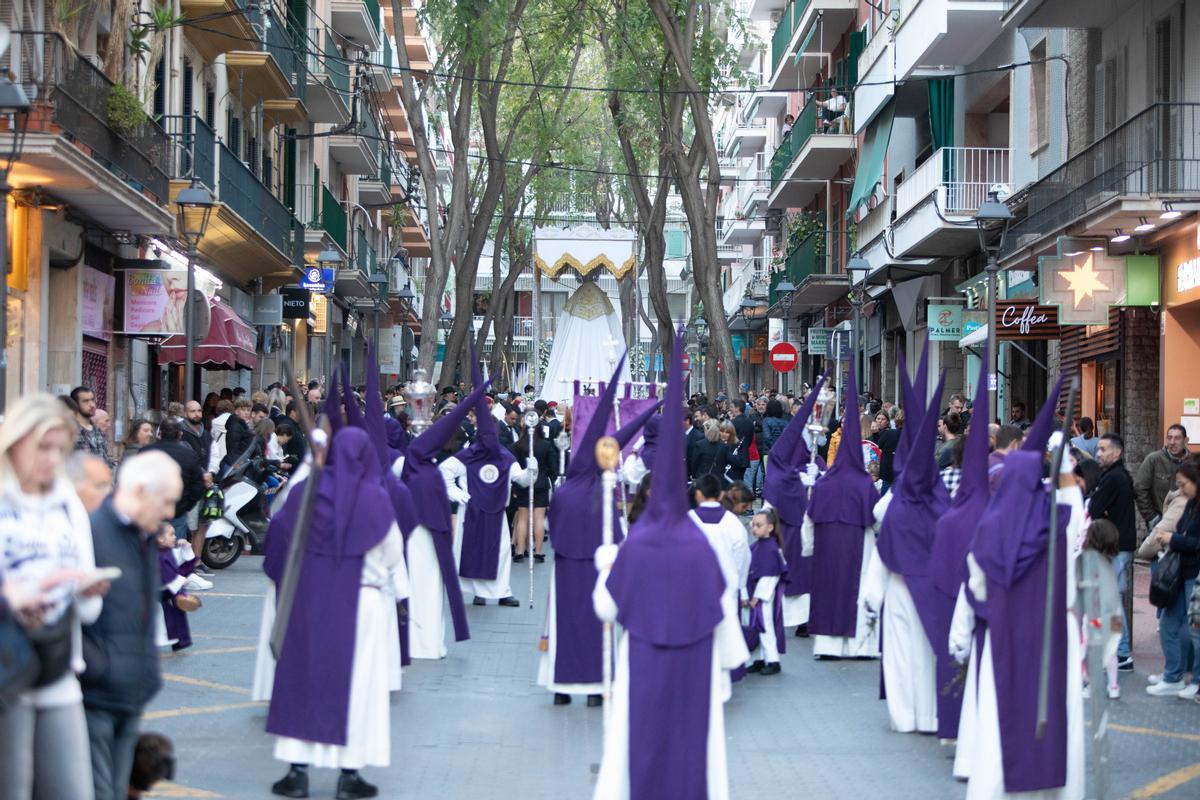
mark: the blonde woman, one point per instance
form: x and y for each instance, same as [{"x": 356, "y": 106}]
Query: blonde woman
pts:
[
  {"x": 709, "y": 456},
  {"x": 46, "y": 542},
  {"x": 737, "y": 460}
]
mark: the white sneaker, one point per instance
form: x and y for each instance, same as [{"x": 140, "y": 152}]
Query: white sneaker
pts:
[
  {"x": 1114, "y": 693},
  {"x": 1189, "y": 691},
  {"x": 1163, "y": 688},
  {"x": 1087, "y": 692},
  {"x": 198, "y": 584},
  {"x": 1155, "y": 678}
]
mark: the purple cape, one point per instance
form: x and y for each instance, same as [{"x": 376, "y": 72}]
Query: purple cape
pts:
[
  {"x": 176, "y": 621},
  {"x": 483, "y": 520},
  {"x": 766, "y": 561},
  {"x": 667, "y": 586},
  {"x": 351, "y": 515},
  {"x": 784, "y": 490},
  {"x": 1011, "y": 546},
  {"x": 650, "y": 443}
]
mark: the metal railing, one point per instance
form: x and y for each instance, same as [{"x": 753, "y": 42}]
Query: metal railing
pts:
[
  {"x": 193, "y": 148},
  {"x": 241, "y": 190},
  {"x": 277, "y": 41},
  {"x": 1155, "y": 152},
  {"x": 307, "y": 205},
  {"x": 333, "y": 217},
  {"x": 806, "y": 258},
  {"x": 807, "y": 125},
  {"x": 782, "y": 36},
  {"x": 53, "y": 74},
  {"x": 960, "y": 176},
  {"x": 364, "y": 255}
]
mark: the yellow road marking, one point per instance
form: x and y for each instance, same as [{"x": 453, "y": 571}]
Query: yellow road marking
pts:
[
  {"x": 1167, "y": 782},
  {"x": 1187, "y": 737},
  {"x": 224, "y": 687},
  {"x": 230, "y": 594},
  {"x": 212, "y": 651},
  {"x": 170, "y": 713},
  {"x": 168, "y": 789},
  {"x": 225, "y": 636}
]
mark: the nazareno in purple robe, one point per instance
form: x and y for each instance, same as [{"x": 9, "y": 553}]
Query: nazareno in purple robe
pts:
[
  {"x": 766, "y": 561},
  {"x": 784, "y": 490},
  {"x": 667, "y": 586},
  {"x": 351, "y": 515},
  {"x": 576, "y": 519},
  {"x": 841, "y": 508},
  {"x": 176, "y": 621},
  {"x": 1011, "y": 547}
]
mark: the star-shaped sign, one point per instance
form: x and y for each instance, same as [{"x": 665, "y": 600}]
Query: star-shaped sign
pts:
[{"x": 1082, "y": 283}]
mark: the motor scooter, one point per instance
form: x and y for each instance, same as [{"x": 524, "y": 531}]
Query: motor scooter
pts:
[{"x": 248, "y": 486}]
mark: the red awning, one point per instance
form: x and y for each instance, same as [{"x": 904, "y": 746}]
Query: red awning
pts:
[{"x": 230, "y": 344}]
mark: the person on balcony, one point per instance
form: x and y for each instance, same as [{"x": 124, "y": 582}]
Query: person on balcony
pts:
[{"x": 833, "y": 111}]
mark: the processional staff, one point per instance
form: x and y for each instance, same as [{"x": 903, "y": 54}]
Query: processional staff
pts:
[{"x": 608, "y": 456}]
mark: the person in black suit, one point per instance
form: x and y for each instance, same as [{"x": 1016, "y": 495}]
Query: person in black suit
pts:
[{"x": 694, "y": 429}]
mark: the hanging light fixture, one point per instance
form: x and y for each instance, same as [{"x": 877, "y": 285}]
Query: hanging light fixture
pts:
[
  {"x": 1119, "y": 237},
  {"x": 1170, "y": 212},
  {"x": 1144, "y": 226}
]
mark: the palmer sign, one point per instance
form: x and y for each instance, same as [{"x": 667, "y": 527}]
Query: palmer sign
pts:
[{"x": 1019, "y": 319}]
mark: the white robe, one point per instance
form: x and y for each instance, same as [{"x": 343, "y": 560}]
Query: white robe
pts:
[
  {"x": 962, "y": 632},
  {"x": 768, "y": 647},
  {"x": 865, "y": 642},
  {"x": 426, "y": 607},
  {"x": 909, "y": 664},
  {"x": 455, "y": 475},
  {"x": 368, "y": 728},
  {"x": 729, "y": 651},
  {"x": 985, "y": 762},
  {"x": 727, "y": 539}
]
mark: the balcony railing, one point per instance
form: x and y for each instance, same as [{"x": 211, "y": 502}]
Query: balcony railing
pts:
[
  {"x": 287, "y": 55},
  {"x": 239, "y": 189},
  {"x": 373, "y": 12},
  {"x": 961, "y": 176},
  {"x": 806, "y": 258},
  {"x": 804, "y": 127},
  {"x": 333, "y": 217},
  {"x": 193, "y": 149},
  {"x": 54, "y": 74},
  {"x": 1156, "y": 152},
  {"x": 364, "y": 255},
  {"x": 786, "y": 28},
  {"x": 875, "y": 222}
]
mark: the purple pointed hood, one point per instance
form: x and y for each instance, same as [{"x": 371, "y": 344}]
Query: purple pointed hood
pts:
[
  {"x": 846, "y": 494},
  {"x": 332, "y": 407},
  {"x": 912, "y": 393},
  {"x": 583, "y": 457},
  {"x": 376, "y": 428},
  {"x": 666, "y": 581},
  {"x": 487, "y": 438},
  {"x": 650, "y": 445},
  {"x": 1011, "y": 535},
  {"x": 354, "y": 415},
  {"x": 1038, "y": 434},
  {"x": 624, "y": 435},
  {"x": 956, "y": 528},
  {"x": 782, "y": 486}
]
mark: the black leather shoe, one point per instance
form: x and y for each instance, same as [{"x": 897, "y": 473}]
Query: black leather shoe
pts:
[
  {"x": 294, "y": 784},
  {"x": 510, "y": 602},
  {"x": 352, "y": 786},
  {"x": 519, "y": 558},
  {"x": 562, "y": 699},
  {"x": 479, "y": 601},
  {"x": 595, "y": 700},
  {"x": 757, "y": 666},
  {"x": 539, "y": 557},
  {"x": 772, "y": 669},
  {"x": 802, "y": 631}
]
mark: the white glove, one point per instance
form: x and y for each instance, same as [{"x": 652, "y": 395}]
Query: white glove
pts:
[
  {"x": 531, "y": 467},
  {"x": 958, "y": 652},
  {"x": 606, "y": 556},
  {"x": 812, "y": 470},
  {"x": 871, "y": 613}
]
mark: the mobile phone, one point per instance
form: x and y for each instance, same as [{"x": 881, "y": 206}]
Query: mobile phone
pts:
[{"x": 99, "y": 575}]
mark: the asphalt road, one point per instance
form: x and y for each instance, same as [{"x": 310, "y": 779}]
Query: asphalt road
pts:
[{"x": 475, "y": 725}]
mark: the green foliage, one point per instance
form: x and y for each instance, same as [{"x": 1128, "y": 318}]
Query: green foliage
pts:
[
  {"x": 124, "y": 110},
  {"x": 149, "y": 23},
  {"x": 803, "y": 225}
]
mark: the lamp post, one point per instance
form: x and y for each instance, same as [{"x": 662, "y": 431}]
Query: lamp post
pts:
[
  {"x": 193, "y": 208},
  {"x": 992, "y": 216},
  {"x": 406, "y": 297},
  {"x": 331, "y": 260},
  {"x": 12, "y": 103},
  {"x": 857, "y": 269}
]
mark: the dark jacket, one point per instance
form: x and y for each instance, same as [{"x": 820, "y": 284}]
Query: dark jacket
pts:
[
  {"x": 772, "y": 428},
  {"x": 887, "y": 440},
  {"x": 200, "y": 442},
  {"x": 294, "y": 450},
  {"x": 708, "y": 458},
  {"x": 745, "y": 430},
  {"x": 738, "y": 460},
  {"x": 238, "y": 438},
  {"x": 1155, "y": 479},
  {"x": 547, "y": 460},
  {"x": 1186, "y": 542},
  {"x": 1114, "y": 501},
  {"x": 119, "y": 647},
  {"x": 191, "y": 469}
]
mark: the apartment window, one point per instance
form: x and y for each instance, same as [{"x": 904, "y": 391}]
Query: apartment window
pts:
[
  {"x": 160, "y": 90},
  {"x": 188, "y": 77},
  {"x": 1162, "y": 46},
  {"x": 1039, "y": 128},
  {"x": 1110, "y": 83},
  {"x": 210, "y": 107}
]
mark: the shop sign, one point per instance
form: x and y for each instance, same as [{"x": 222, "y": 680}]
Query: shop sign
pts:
[
  {"x": 839, "y": 345},
  {"x": 945, "y": 322},
  {"x": 155, "y": 301},
  {"x": 1187, "y": 276},
  {"x": 1081, "y": 284},
  {"x": 268, "y": 309},
  {"x": 1022, "y": 319},
  {"x": 319, "y": 309},
  {"x": 317, "y": 279},
  {"x": 295, "y": 302},
  {"x": 818, "y": 341},
  {"x": 96, "y": 309},
  {"x": 973, "y": 320}
]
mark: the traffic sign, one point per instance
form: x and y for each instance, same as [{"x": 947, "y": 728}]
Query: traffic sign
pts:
[
  {"x": 317, "y": 279},
  {"x": 784, "y": 357},
  {"x": 687, "y": 361}
]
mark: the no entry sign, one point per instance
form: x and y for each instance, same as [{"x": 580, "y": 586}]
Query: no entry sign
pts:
[
  {"x": 687, "y": 361},
  {"x": 784, "y": 357}
]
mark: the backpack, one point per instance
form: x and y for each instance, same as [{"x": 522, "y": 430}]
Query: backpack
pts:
[{"x": 213, "y": 505}]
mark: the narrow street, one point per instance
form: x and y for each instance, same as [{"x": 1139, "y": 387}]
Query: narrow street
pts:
[{"x": 476, "y": 726}]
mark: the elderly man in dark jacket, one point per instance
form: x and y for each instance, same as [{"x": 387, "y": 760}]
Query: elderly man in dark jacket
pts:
[
  {"x": 119, "y": 648},
  {"x": 1114, "y": 501}
]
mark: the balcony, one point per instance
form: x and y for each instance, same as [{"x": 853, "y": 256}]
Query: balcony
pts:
[
  {"x": 941, "y": 195},
  {"x": 742, "y": 229},
  {"x": 728, "y": 252},
  {"x": 357, "y": 20},
  {"x": 273, "y": 72},
  {"x": 810, "y": 155},
  {"x": 1123, "y": 176},
  {"x": 808, "y": 30},
  {"x": 72, "y": 153},
  {"x": 936, "y": 32},
  {"x": 358, "y": 152},
  {"x": 761, "y": 9},
  {"x": 754, "y": 185},
  {"x": 875, "y": 245},
  {"x": 804, "y": 259},
  {"x": 766, "y": 103},
  {"x": 1063, "y": 13},
  {"x": 226, "y": 25},
  {"x": 749, "y": 136},
  {"x": 328, "y": 93},
  {"x": 376, "y": 190},
  {"x": 875, "y": 75},
  {"x": 323, "y": 218}
]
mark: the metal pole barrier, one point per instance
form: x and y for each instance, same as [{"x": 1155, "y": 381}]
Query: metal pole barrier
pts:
[{"x": 531, "y": 423}]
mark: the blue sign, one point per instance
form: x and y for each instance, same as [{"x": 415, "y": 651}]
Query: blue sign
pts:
[{"x": 317, "y": 279}]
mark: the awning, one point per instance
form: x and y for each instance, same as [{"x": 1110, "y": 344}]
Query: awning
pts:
[
  {"x": 975, "y": 337},
  {"x": 870, "y": 162},
  {"x": 230, "y": 344}
]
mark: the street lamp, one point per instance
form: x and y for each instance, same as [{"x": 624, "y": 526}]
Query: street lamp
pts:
[
  {"x": 406, "y": 296},
  {"x": 329, "y": 260},
  {"x": 857, "y": 270},
  {"x": 992, "y": 216},
  {"x": 193, "y": 208},
  {"x": 12, "y": 102}
]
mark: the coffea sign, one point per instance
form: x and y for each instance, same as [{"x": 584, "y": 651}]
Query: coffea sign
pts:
[{"x": 1017, "y": 319}]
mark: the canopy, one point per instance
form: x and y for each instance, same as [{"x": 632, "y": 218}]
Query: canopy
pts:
[
  {"x": 230, "y": 343},
  {"x": 585, "y": 249},
  {"x": 870, "y": 164}
]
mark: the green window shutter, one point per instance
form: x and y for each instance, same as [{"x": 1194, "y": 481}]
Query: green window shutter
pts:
[
  {"x": 676, "y": 244},
  {"x": 289, "y": 169},
  {"x": 858, "y": 40}
]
